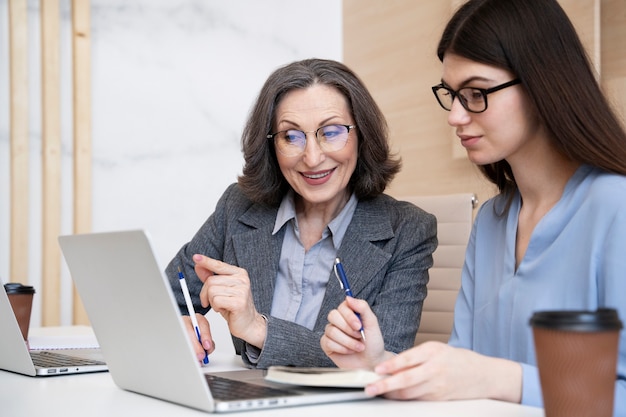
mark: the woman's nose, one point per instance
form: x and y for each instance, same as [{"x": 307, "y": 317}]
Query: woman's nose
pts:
[
  {"x": 313, "y": 153},
  {"x": 458, "y": 115}
]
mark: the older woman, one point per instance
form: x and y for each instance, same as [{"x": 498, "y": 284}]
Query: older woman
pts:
[{"x": 317, "y": 161}]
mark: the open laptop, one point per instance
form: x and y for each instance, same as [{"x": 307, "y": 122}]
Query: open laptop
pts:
[
  {"x": 141, "y": 333},
  {"x": 16, "y": 357}
]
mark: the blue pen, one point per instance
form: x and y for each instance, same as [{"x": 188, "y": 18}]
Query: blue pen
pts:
[
  {"x": 343, "y": 281},
  {"x": 190, "y": 309}
]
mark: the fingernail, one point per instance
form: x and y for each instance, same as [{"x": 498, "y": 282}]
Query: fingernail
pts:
[
  {"x": 206, "y": 344},
  {"x": 371, "y": 390},
  {"x": 197, "y": 257}
]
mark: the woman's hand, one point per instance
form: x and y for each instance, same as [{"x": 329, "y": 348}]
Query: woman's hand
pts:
[
  {"x": 227, "y": 290},
  {"x": 208, "y": 345},
  {"x": 342, "y": 340},
  {"x": 437, "y": 371}
]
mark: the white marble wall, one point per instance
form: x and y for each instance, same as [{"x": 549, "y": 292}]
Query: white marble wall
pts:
[{"x": 173, "y": 81}]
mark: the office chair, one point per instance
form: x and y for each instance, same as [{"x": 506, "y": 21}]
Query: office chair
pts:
[{"x": 454, "y": 214}]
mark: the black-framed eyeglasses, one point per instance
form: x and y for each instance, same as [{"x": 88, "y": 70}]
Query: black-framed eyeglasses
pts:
[
  {"x": 292, "y": 142},
  {"x": 472, "y": 99}
]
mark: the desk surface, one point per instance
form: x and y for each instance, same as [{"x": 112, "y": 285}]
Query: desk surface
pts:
[{"x": 97, "y": 395}]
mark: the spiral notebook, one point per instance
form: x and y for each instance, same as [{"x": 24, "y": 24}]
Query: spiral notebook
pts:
[
  {"x": 141, "y": 333},
  {"x": 15, "y": 355}
]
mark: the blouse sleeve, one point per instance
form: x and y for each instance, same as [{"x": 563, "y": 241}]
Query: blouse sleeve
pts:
[{"x": 612, "y": 294}]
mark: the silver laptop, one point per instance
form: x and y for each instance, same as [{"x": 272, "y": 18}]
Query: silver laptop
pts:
[
  {"x": 16, "y": 357},
  {"x": 141, "y": 333}
]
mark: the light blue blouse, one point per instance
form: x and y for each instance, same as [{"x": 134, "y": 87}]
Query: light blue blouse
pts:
[
  {"x": 303, "y": 275},
  {"x": 576, "y": 259}
]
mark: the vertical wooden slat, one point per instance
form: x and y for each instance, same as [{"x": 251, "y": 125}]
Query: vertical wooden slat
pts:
[
  {"x": 597, "y": 37},
  {"x": 613, "y": 16},
  {"x": 585, "y": 15},
  {"x": 18, "y": 69},
  {"x": 81, "y": 63},
  {"x": 51, "y": 160},
  {"x": 458, "y": 151}
]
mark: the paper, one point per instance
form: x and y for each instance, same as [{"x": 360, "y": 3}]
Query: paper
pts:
[{"x": 322, "y": 377}]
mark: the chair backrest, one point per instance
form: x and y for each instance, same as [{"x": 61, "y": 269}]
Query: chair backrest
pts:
[{"x": 454, "y": 214}]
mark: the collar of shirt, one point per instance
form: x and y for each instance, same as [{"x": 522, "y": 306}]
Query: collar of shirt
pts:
[{"x": 337, "y": 226}]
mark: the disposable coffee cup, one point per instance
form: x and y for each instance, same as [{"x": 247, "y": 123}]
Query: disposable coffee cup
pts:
[
  {"x": 21, "y": 299},
  {"x": 577, "y": 359}
]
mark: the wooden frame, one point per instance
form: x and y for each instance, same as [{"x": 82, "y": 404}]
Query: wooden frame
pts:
[{"x": 50, "y": 19}]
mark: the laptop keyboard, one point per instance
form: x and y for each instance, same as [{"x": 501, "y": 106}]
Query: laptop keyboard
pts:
[
  {"x": 47, "y": 359},
  {"x": 225, "y": 389}
]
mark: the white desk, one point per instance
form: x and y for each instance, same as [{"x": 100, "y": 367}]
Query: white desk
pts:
[{"x": 97, "y": 395}]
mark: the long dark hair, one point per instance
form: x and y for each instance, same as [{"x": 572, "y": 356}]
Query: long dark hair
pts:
[
  {"x": 535, "y": 40},
  {"x": 262, "y": 180}
]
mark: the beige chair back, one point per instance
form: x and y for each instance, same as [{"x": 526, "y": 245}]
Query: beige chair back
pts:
[{"x": 454, "y": 214}]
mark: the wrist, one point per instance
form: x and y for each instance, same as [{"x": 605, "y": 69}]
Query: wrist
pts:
[
  {"x": 260, "y": 331},
  {"x": 385, "y": 356},
  {"x": 506, "y": 381}
]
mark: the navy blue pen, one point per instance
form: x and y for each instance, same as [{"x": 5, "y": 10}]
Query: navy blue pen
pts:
[
  {"x": 343, "y": 281},
  {"x": 192, "y": 312}
]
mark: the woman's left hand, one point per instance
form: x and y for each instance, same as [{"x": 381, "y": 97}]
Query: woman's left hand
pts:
[
  {"x": 437, "y": 371},
  {"x": 227, "y": 290}
]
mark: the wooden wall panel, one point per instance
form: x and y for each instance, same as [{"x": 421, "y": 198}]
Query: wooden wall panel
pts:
[
  {"x": 20, "y": 258},
  {"x": 51, "y": 160},
  {"x": 613, "y": 41},
  {"x": 18, "y": 101},
  {"x": 81, "y": 64},
  {"x": 585, "y": 15},
  {"x": 391, "y": 45}
]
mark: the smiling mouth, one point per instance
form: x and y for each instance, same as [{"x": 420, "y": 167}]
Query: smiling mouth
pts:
[{"x": 318, "y": 175}]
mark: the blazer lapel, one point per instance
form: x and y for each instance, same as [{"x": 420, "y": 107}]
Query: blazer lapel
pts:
[
  {"x": 361, "y": 259},
  {"x": 258, "y": 251}
]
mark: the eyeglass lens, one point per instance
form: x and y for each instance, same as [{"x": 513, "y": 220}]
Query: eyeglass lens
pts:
[
  {"x": 330, "y": 138},
  {"x": 471, "y": 99}
]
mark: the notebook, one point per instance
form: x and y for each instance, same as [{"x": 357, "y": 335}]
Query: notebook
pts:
[
  {"x": 16, "y": 357},
  {"x": 141, "y": 333}
]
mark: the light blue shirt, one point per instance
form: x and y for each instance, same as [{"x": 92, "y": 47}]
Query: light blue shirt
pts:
[
  {"x": 303, "y": 275},
  {"x": 576, "y": 259}
]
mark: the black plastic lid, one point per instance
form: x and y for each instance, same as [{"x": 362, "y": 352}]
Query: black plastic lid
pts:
[
  {"x": 17, "y": 288},
  {"x": 582, "y": 321}
]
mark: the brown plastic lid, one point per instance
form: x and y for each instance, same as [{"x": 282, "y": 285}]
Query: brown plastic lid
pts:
[
  {"x": 575, "y": 320},
  {"x": 17, "y": 288}
]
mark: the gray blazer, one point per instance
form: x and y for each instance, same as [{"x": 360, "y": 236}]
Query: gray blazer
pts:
[{"x": 386, "y": 252}]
